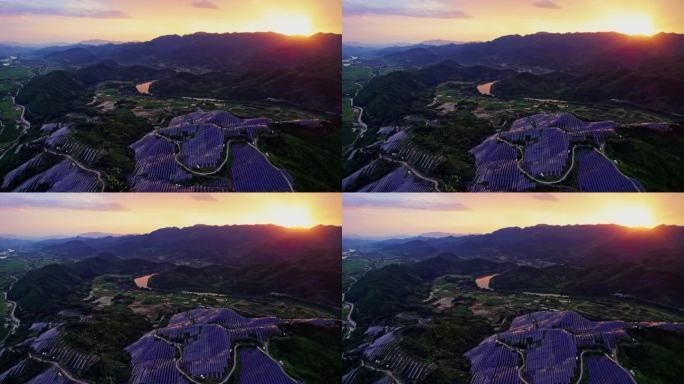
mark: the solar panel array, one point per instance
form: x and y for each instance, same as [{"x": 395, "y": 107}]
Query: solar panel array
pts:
[
  {"x": 497, "y": 170},
  {"x": 550, "y": 342},
  {"x": 598, "y": 174},
  {"x": 401, "y": 147},
  {"x": 152, "y": 361},
  {"x": 63, "y": 141},
  {"x": 62, "y": 177},
  {"x": 252, "y": 172},
  {"x": 602, "y": 370},
  {"x": 50, "y": 376},
  {"x": 35, "y": 162},
  {"x": 258, "y": 368},
  {"x": 51, "y": 345},
  {"x": 386, "y": 353},
  {"x": 203, "y": 138},
  {"x": 546, "y": 141},
  {"x": 401, "y": 179},
  {"x": 205, "y": 337}
]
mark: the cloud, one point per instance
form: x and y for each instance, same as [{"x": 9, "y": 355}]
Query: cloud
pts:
[
  {"x": 545, "y": 197},
  {"x": 204, "y": 4},
  {"x": 42, "y": 8},
  {"x": 427, "y": 202},
  {"x": 548, "y": 4},
  {"x": 78, "y": 202},
  {"x": 432, "y": 9},
  {"x": 203, "y": 197}
]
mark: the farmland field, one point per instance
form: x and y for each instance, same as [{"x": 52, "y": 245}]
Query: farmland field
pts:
[
  {"x": 428, "y": 322},
  {"x": 449, "y": 119}
]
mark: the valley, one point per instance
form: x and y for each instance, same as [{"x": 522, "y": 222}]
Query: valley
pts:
[
  {"x": 431, "y": 119},
  {"x": 452, "y": 316},
  {"x": 90, "y": 122},
  {"x": 75, "y": 314}
]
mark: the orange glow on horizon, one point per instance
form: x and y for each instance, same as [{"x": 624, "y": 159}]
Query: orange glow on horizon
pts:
[
  {"x": 293, "y": 24},
  {"x": 468, "y": 213},
  {"x": 134, "y": 213},
  {"x": 133, "y": 20},
  {"x": 637, "y": 24}
]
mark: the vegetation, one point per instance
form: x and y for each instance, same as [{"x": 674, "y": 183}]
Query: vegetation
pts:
[
  {"x": 453, "y": 139},
  {"x": 445, "y": 340},
  {"x": 315, "y": 284},
  {"x": 642, "y": 87},
  {"x": 655, "y": 281},
  {"x": 649, "y": 156},
  {"x": 53, "y": 95},
  {"x": 312, "y": 156},
  {"x": 43, "y": 292},
  {"x": 316, "y": 87},
  {"x": 113, "y": 133},
  {"x": 655, "y": 357},
  {"x": 309, "y": 353},
  {"x": 106, "y": 336}
]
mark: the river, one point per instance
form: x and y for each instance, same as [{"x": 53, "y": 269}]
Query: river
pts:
[
  {"x": 486, "y": 88},
  {"x": 144, "y": 88},
  {"x": 142, "y": 281},
  {"x": 483, "y": 282}
]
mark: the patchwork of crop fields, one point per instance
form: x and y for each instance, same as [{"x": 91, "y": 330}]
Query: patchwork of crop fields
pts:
[
  {"x": 443, "y": 141},
  {"x": 555, "y": 336}
]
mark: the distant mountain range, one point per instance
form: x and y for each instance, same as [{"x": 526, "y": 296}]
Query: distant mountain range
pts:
[
  {"x": 579, "y": 245},
  {"x": 235, "y": 52},
  {"x": 581, "y": 260},
  {"x": 203, "y": 245},
  {"x": 581, "y": 51},
  {"x": 234, "y": 259},
  {"x": 584, "y": 67}
]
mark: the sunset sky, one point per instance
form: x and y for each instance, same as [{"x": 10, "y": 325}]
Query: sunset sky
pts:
[
  {"x": 76, "y": 213},
  {"x": 412, "y": 214},
  {"x": 41, "y": 21},
  {"x": 412, "y": 21}
]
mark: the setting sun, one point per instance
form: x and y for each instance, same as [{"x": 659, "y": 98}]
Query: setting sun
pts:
[
  {"x": 291, "y": 24},
  {"x": 632, "y": 216},
  {"x": 293, "y": 217},
  {"x": 634, "y": 24}
]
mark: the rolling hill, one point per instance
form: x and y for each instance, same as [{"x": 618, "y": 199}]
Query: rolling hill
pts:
[
  {"x": 580, "y": 245},
  {"x": 44, "y": 291},
  {"x": 203, "y": 245},
  {"x": 580, "y": 52},
  {"x": 659, "y": 281},
  {"x": 390, "y": 97},
  {"x": 235, "y": 52}
]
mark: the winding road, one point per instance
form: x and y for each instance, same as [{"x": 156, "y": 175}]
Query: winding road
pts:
[
  {"x": 522, "y": 158},
  {"x": 223, "y": 163},
  {"x": 97, "y": 173},
  {"x": 14, "y": 320},
  {"x": 265, "y": 352},
  {"x": 386, "y": 372},
  {"x": 415, "y": 173},
  {"x": 61, "y": 370},
  {"x": 522, "y": 355},
  {"x": 25, "y": 123},
  {"x": 351, "y": 324}
]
